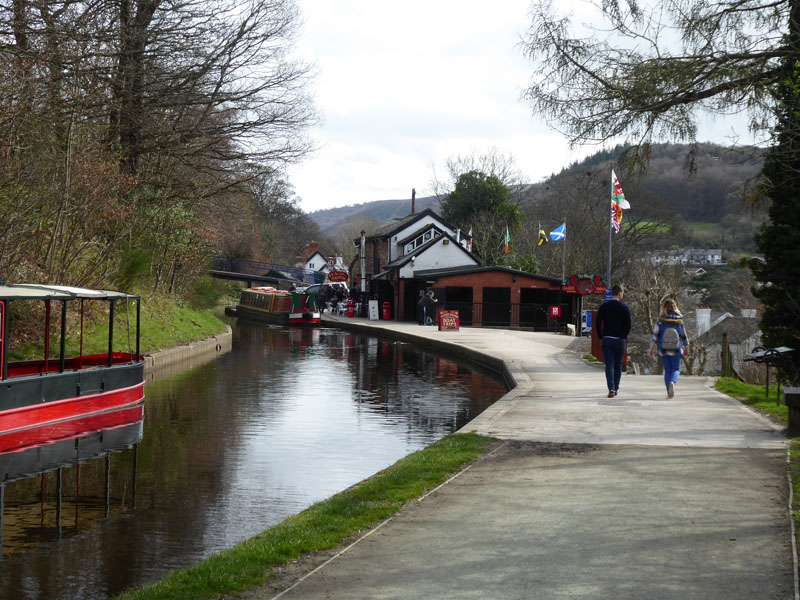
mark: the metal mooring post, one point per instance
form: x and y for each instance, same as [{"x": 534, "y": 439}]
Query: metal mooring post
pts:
[{"x": 792, "y": 400}]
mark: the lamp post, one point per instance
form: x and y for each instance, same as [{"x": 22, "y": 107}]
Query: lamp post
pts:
[{"x": 362, "y": 260}]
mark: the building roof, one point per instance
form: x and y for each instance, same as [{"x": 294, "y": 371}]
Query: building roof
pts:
[
  {"x": 25, "y": 291},
  {"x": 386, "y": 230},
  {"x": 739, "y": 330},
  {"x": 470, "y": 269}
]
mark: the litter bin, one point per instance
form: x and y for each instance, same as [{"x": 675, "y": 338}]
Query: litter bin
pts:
[{"x": 387, "y": 311}]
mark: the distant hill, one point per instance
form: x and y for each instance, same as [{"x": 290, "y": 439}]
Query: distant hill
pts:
[
  {"x": 379, "y": 210},
  {"x": 702, "y": 183},
  {"x": 705, "y": 194}
]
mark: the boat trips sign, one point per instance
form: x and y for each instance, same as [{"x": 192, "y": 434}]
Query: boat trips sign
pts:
[{"x": 337, "y": 276}]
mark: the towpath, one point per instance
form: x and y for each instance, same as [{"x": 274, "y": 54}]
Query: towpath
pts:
[{"x": 586, "y": 497}]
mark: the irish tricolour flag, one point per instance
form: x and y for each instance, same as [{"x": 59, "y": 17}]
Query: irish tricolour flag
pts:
[{"x": 618, "y": 202}]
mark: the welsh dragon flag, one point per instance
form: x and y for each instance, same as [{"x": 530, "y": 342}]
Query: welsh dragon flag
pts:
[{"x": 618, "y": 202}]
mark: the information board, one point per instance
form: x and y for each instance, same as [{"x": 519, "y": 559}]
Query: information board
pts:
[{"x": 373, "y": 310}]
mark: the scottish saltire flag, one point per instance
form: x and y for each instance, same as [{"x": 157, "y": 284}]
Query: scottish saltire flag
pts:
[
  {"x": 508, "y": 239},
  {"x": 559, "y": 233},
  {"x": 618, "y": 202}
]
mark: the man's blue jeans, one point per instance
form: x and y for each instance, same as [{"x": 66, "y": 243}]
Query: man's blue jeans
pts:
[{"x": 613, "y": 351}]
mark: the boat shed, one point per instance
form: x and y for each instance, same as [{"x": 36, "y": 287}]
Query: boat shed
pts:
[{"x": 493, "y": 297}]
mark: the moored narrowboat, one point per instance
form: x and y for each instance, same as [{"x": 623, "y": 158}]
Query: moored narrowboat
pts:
[
  {"x": 278, "y": 307},
  {"x": 58, "y": 392}
]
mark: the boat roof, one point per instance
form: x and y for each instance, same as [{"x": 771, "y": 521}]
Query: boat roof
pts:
[{"x": 33, "y": 291}]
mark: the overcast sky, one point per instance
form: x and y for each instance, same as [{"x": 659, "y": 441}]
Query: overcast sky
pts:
[{"x": 402, "y": 87}]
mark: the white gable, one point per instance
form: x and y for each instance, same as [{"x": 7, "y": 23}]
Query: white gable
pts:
[
  {"x": 424, "y": 226},
  {"x": 440, "y": 255},
  {"x": 316, "y": 261}
]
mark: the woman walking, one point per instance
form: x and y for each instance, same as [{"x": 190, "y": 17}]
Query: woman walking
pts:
[{"x": 670, "y": 337}]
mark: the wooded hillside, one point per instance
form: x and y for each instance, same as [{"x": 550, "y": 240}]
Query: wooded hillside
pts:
[{"x": 697, "y": 191}]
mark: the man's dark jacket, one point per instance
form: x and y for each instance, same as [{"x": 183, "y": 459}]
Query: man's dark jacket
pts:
[{"x": 613, "y": 320}]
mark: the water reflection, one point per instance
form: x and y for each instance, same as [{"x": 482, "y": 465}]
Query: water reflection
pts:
[{"x": 288, "y": 418}]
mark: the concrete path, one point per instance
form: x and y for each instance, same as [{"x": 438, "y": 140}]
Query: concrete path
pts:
[{"x": 586, "y": 497}]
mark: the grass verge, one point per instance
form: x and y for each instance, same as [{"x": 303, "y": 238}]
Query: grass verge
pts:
[
  {"x": 754, "y": 396},
  {"x": 322, "y": 526}
]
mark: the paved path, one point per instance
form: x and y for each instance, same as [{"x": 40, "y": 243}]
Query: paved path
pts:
[{"x": 586, "y": 497}]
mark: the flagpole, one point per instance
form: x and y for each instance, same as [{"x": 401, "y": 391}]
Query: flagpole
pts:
[
  {"x": 564, "y": 254},
  {"x": 608, "y": 216}
]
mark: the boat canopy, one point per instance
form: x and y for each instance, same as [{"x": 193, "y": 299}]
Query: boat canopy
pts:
[{"x": 24, "y": 291}]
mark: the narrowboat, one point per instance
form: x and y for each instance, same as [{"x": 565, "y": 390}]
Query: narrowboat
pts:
[
  {"x": 279, "y": 307},
  {"x": 59, "y": 395}
]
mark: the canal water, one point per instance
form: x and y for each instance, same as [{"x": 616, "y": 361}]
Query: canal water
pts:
[{"x": 226, "y": 450}]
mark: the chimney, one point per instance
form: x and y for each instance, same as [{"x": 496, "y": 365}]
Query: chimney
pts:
[
  {"x": 703, "y": 316},
  {"x": 413, "y": 200},
  {"x": 311, "y": 247}
]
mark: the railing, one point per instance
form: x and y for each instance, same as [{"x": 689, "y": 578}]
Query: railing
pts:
[
  {"x": 503, "y": 314},
  {"x": 272, "y": 270}
]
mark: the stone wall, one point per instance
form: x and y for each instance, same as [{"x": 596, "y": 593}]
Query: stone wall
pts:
[{"x": 174, "y": 360}]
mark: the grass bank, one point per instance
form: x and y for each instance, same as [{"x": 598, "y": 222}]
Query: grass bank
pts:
[
  {"x": 320, "y": 527},
  {"x": 165, "y": 323},
  {"x": 755, "y": 397}
]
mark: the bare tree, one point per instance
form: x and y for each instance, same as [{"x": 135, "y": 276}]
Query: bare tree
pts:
[
  {"x": 344, "y": 235},
  {"x": 140, "y": 123},
  {"x": 493, "y": 163},
  {"x": 646, "y": 73},
  {"x": 581, "y": 199}
]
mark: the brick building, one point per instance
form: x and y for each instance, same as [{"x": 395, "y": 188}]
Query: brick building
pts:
[{"x": 405, "y": 257}]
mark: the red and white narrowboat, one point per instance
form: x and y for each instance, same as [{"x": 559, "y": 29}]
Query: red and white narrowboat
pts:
[{"x": 59, "y": 393}]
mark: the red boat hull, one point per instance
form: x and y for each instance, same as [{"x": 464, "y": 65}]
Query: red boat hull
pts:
[{"x": 28, "y": 425}]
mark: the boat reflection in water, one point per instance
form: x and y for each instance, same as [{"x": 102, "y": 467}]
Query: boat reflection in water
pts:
[{"x": 55, "y": 486}]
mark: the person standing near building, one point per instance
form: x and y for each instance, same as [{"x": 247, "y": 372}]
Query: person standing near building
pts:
[
  {"x": 613, "y": 324},
  {"x": 669, "y": 335},
  {"x": 426, "y": 306}
]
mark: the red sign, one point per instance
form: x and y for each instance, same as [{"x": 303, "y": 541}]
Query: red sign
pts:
[
  {"x": 555, "y": 311},
  {"x": 337, "y": 276},
  {"x": 448, "y": 320},
  {"x": 584, "y": 284}
]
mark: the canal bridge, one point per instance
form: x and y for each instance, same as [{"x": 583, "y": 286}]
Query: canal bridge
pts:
[{"x": 256, "y": 273}]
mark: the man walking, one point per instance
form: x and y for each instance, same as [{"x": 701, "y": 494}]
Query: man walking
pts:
[{"x": 613, "y": 324}]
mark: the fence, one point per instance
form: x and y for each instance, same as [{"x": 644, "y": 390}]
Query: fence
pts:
[{"x": 504, "y": 314}]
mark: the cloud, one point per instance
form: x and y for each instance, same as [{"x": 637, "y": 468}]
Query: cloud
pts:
[{"x": 402, "y": 87}]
